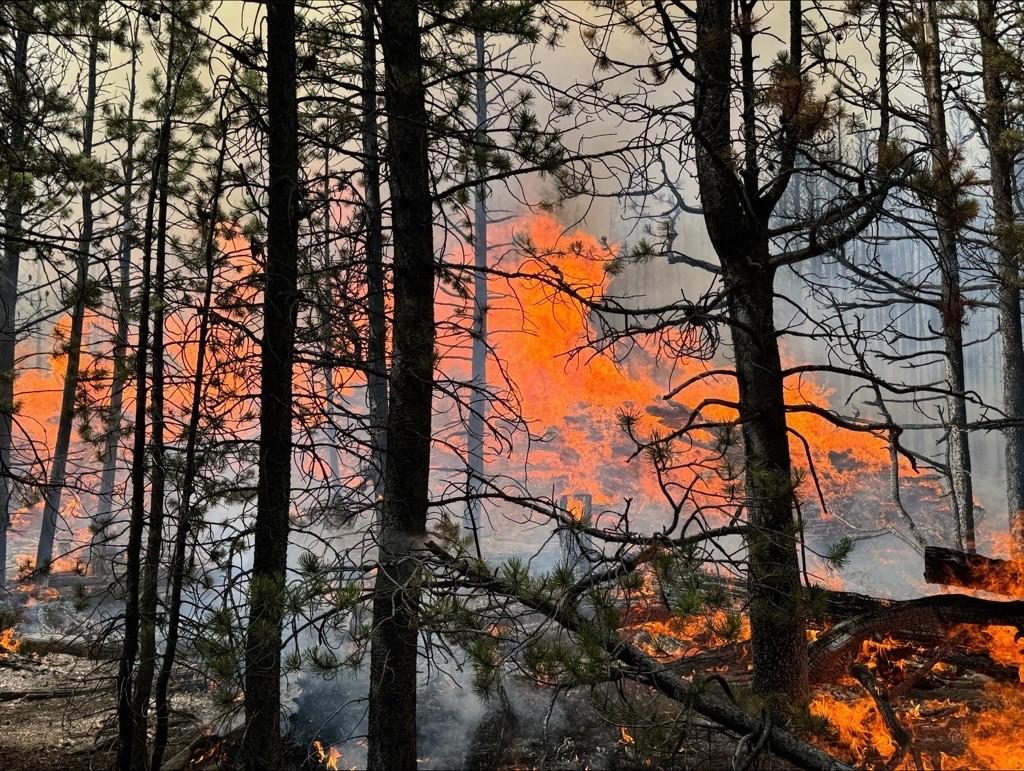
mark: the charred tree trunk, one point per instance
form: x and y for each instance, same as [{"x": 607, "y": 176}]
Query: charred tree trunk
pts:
[
  {"x": 177, "y": 566},
  {"x": 149, "y": 588},
  {"x": 131, "y": 722},
  {"x": 478, "y": 376},
  {"x": 738, "y": 226},
  {"x": 1001, "y": 170},
  {"x": 779, "y": 641},
  {"x": 951, "y": 303},
  {"x": 377, "y": 367},
  {"x": 393, "y": 654},
  {"x": 262, "y": 744},
  {"x": 101, "y": 552},
  {"x": 58, "y": 463},
  {"x": 13, "y": 243}
]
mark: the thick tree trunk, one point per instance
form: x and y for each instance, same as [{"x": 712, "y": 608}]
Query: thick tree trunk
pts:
[
  {"x": 738, "y": 230},
  {"x": 393, "y": 655},
  {"x": 478, "y": 376},
  {"x": 13, "y": 244},
  {"x": 262, "y": 743},
  {"x": 779, "y": 643},
  {"x": 376, "y": 377},
  {"x": 58, "y": 463},
  {"x": 101, "y": 556},
  {"x": 951, "y": 307},
  {"x": 1012, "y": 348}
]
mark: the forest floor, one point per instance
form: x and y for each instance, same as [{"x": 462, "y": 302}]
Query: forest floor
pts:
[{"x": 57, "y": 712}]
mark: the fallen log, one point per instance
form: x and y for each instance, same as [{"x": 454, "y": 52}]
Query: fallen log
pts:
[
  {"x": 831, "y": 655},
  {"x": 80, "y": 648},
  {"x": 40, "y": 694},
  {"x": 950, "y": 567}
]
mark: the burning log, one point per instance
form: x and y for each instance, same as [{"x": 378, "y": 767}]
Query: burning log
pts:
[
  {"x": 832, "y": 653},
  {"x": 903, "y": 738},
  {"x": 950, "y": 567}
]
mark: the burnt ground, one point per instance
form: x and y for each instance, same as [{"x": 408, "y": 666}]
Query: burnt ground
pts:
[{"x": 65, "y": 718}]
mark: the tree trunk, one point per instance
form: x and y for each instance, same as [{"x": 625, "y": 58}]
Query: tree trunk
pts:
[
  {"x": 58, "y": 464},
  {"x": 149, "y": 588},
  {"x": 13, "y": 245},
  {"x": 261, "y": 747},
  {"x": 132, "y": 723},
  {"x": 738, "y": 230},
  {"x": 393, "y": 654},
  {"x": 478, "y": 376},
  {"x": 377, "y": 367},
  {"x": 101, "y": 551},
  {"x": 951, "y": 305},
  {"x": 1012, "y": 349},
  {"x": 177, "y": 566},
  {"x": 779, "y": 644}
]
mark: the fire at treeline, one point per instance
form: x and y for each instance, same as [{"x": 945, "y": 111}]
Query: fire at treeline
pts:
[{"x": 502, "y": 384}]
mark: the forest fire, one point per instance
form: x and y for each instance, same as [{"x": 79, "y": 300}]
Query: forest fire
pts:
[
  {"x": 328, "y": 756},
  {"x": 9, "y": 642}
]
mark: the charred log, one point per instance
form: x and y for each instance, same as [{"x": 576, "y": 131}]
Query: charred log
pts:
[
  {"x": 832, "y": 653},
  {"x": 951, "y": 567}
]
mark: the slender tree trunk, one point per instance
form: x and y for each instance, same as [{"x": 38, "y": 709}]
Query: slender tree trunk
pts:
[
  {"x": 393, "y": 651},
  {"x": 330, "y": 392},
  {"x": 102, "y": 553},
  {"x": 376, "y": 378},
  {"x": 478, "y": 376},
  {"x": 177, "y": 566},
  {"x": 149, "y": 588},
  {"x": 262, "y": 745},
  {"x": 13, "y": 245},
  {"x": 951, "y": 307},
  {"x": 1012, "y": 348},
  {"x": 131, "y": 723},
  {"x": 58, "y": 464}
]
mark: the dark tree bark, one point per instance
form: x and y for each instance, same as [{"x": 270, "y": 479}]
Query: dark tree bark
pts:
[
  {"x": 58, "y": 464},
  {"x": 262, "y": 743},
  {"x": 951, "y": 305},
  {"x": 101, "y": 556},
  {"x": 131, "y": 723},
  {"x": 13, "y": 243},
  {"x": 478, "y": 376},
  {"x": 1008, "y": 292},
  {"x": 392, "y": 715},
  {"x": 184, "y": 528},
  {"x": 376, "y": 378},
  {"x": 739, "y": 232}
]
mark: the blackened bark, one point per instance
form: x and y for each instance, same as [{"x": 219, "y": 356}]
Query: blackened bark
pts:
[
  {"x": 149, "y": 586},
  {"x": 393, "y": 656},
  {"x": 13, "y": 242},
  {"x": 738, "y": 227},
  {"x": 1008, "y": 292},
  {"x": 376, "y": 378},
  {"x": 478, "y": 375},
  {"x": 177, "y": 566},
  {"x": 262, "y": 743},
  {"x": 131, "y": 724},
  {"x": 101, "y": 555},
  {"x": 951, "y": 304},
  {"x": 62, "y": 445}
]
